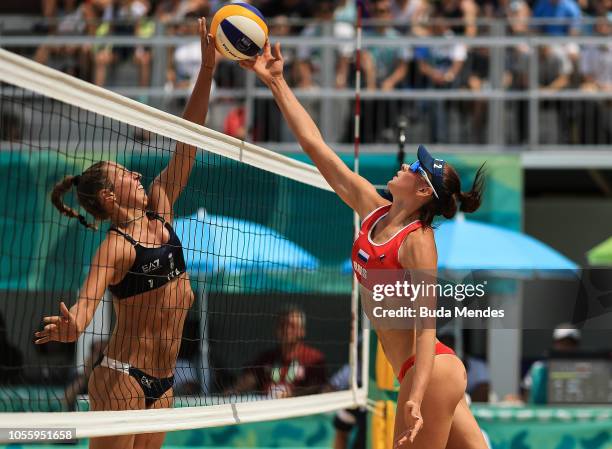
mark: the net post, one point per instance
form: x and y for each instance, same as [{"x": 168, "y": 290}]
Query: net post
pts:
[{"x": 353, "y": 356}]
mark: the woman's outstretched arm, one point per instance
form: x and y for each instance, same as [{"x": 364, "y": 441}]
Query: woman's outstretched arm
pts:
[
  {"x": 168, "y": 185},
  {"x": 70, "y": 323},
  {"x": 354, "y": 190}
]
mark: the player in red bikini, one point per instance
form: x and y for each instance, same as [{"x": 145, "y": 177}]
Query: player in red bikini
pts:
[{"x": 432, "y": 412}]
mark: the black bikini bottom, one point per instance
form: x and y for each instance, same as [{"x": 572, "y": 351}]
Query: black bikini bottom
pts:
[{"x": 152, "y": 387}]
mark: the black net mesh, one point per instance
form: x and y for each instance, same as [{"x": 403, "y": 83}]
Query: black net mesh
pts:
[{"x": 262, "y": 311}]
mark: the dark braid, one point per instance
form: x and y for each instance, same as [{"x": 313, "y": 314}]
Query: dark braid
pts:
[{"x": 88, "y": 185}]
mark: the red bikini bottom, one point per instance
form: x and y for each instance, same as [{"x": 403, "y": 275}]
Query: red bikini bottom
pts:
[{"x": 440, "y": 349}]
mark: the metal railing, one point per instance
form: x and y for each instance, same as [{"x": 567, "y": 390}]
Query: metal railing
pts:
[{"x": 492, "y": 117}]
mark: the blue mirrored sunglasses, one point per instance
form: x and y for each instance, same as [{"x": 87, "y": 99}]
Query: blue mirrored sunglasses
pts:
[{"x": 416, "y": 167}]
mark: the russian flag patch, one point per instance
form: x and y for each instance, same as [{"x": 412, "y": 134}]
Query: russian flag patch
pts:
[{"x": 363, "y": 255}]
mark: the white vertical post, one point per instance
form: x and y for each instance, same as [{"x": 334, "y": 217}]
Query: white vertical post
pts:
[
  {"x": 249, "y": 102},
  {"x": 504, "y": 346},
  {"x": 205, "y": 375}
]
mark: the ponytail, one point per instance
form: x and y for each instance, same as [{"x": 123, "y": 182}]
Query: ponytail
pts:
[
  {"x": 60, "y": 189},
  {"x": 453, "y": 199},
  {"x": 470, "y": 201}
]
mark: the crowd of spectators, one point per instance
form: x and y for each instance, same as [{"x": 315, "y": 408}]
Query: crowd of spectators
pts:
[{"x": 450, "y": 66}]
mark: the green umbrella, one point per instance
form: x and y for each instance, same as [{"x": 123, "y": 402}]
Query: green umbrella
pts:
[{"x": 601, "y": 255}]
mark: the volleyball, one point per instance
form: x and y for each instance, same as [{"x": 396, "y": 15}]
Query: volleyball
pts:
[{"x": 240, "y": 31}]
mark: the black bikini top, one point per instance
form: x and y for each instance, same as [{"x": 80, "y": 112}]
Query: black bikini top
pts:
[{"x": 153, "y": 267}]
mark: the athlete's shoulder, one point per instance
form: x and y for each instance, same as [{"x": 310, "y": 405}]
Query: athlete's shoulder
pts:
[
  {"x": 113, "y": 242},
  {"x": 422, "y": 233},
  {"x": 118, "y": 251},
  {"x": 374, "y": 214},
  {"x": 418, "y": 250}
]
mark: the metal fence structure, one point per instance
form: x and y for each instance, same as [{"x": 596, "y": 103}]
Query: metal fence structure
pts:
[{"x": 494, "y": 115}]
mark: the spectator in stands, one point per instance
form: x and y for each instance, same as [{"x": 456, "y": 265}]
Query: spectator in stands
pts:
[
  {"x": 79, "y": 383},
  {"x": 171, "y": 12},
  {"x": 555, "y": 70},
  {"x": 309, "y": 58},
  {"x": 490, "y": 9},
  {"x": 477, "y": 64},
  {"x": 280, "y": 26},
  {"x": 519, "y": 14},
  {"x": 11, "y": 362},
  {"x": 292, "y": 368},
  {"x": 596, "y": 60},
  {"x": 570, "y": 15},
  {"x": 183, "y": 61},
  {"x": 555, "y": 67},
  {"x": 300, "y": 9},
  {"x": 73, "y": 59},
  {"x": 596, "y": 75},
  {"x": 294, "y": 10},
  {"x": 384, "y": 67},
  {"x": 268, "y": 124},
  {"x": 567, "y": 10},
  {"x": 603, "y": 8},
  {"x": 516, "y": 69},
  {"x": 346, "y": 11},
  {"x": 558, "y": 9},
  {"x": 411, "y": 12},
  {"x": 50, "y": 7},
  {"x": 187, "y": 57},
  {"x": 516, "y": 75},
  {"x": 465, "y": 11},
  {"x": 440, "y": 67},
  {"x": 128, "y": 18},
  {"x": 566, "y": 339}
]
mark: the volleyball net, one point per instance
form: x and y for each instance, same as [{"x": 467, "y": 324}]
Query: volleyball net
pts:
[{"x": 271, "y": 331}]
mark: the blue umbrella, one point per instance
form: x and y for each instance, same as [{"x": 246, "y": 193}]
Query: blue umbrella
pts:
[
  {"x": 465, "y": 245},
  {"x": 216, "y": 243}
]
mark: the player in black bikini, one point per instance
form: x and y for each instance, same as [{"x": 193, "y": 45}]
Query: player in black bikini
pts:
[{"x": 141, "y": 262}]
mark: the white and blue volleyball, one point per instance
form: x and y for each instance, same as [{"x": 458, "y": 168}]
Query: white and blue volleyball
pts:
[{"x": 240, "y": 31}]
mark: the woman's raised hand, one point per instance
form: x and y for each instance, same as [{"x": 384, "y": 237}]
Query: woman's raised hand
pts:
[
  {"x": 207, "y": 43},
  {"x": 268, "y": 66}
]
